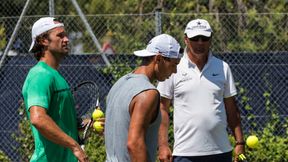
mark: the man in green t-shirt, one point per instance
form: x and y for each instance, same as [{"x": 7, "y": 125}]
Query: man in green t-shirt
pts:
[{"x": 48, "y": 100}]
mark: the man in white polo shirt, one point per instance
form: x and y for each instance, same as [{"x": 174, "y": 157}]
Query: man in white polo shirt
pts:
[{"x": 203, "y": 93}]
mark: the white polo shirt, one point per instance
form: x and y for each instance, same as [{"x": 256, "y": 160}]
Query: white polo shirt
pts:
[{"x": 200, "y": 120}]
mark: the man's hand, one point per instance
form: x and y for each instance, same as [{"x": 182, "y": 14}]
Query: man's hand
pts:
[
  {"x": 50, "y": 130},
  {"x": 80, "y": 154},
  {"x": 165, "y": 154},
  {"x": 239, "y": 149}
]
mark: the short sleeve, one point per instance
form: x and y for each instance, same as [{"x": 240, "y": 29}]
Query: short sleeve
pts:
[
  {"x": 39, "y": 91},
  {"x": 166, "y": 87},
  {"x": 230, "y": 89}
]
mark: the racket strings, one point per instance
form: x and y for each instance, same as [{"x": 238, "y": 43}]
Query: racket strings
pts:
[{"x": 86, "y": 98}]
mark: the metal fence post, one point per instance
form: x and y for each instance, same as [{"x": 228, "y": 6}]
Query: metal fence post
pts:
[
  {"x": 14, "y": 34},
  {"x": 51, "y": 8},
  {"x": 89, "y": 29},
  {"x": 158, "y": 22}
]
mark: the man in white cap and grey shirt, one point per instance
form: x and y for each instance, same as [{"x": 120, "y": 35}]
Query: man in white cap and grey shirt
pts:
[
  {"x": 204, "y": 105},
  {"x": 48, "y": 100},
  {"x": 132, "y": 112}
]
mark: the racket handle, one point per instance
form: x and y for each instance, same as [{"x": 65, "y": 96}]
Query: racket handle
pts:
[
  {"x": 86, "y": 128},
  {"x": 82, "y": 140},
  {"x": 242, "y": 158}
]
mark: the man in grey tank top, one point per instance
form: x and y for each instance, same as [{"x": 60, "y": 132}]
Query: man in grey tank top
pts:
[{"x": 132, "y": 115}]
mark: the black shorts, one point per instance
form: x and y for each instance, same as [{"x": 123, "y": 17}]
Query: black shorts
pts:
[{"x": 225, "y": 157}]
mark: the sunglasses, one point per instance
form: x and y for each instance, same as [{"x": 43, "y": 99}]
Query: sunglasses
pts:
[{"x": 197, "y": 38}]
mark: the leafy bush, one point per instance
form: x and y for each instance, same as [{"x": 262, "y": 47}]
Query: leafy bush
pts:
[
  {"x": 4, "y": 157},
  {"x": 273, "y": 145},
  {"x": 24, "y": 137},
  {"x": 2, "y": 37},
  {"x": 118, "y": 69},
  {"x": 95, "y": 148}
]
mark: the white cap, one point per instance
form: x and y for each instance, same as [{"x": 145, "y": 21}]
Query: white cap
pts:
[
  {"x": 42, "y": 25},
  {"x": 163, "y": 44},
  {"x": 198, "y": 27}
]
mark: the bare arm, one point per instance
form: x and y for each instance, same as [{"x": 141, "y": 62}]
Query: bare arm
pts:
[
  {"x": 143, "y": 111},
  {"x": 50, "y": 130},
  {"x": 234, "y": 122},
  {"x": 164, "y": 150}
]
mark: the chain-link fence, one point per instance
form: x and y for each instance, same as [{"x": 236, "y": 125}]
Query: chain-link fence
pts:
[
  {"x": 261, "y": 82},
  {"x": 255, "y": 45},
  {"x": 126, "y": 33}
]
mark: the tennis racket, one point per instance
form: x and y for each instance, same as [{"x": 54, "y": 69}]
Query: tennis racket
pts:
[{"x": 86, "y": 97}]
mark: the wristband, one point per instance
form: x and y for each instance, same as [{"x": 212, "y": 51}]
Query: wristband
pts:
[{"x": 240, "y": 142}]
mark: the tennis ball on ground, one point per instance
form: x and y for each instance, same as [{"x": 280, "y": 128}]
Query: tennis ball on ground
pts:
[
  {"x": 97, "y": 113},
  {"x": 98, "y": 127},
  {"x": 252, "y": 141}
]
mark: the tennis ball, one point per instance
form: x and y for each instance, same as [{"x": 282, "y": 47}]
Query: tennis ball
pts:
[
  {"x": 97, "y": 113},
  {"x": 252, "y": 141},
  {"x": 98, "y": 127}
]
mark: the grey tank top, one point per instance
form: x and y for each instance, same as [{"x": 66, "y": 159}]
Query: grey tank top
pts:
[{"x": 118, "y": 119}]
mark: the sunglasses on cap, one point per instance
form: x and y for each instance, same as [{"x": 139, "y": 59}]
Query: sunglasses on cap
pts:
[{"x": 197, "y": 38}]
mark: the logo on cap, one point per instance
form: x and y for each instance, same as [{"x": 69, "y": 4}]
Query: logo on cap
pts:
[{"x": 198, "y": 27}]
